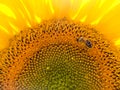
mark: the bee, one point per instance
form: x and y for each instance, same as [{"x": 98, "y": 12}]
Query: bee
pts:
[{"x": 86, "y": 41}]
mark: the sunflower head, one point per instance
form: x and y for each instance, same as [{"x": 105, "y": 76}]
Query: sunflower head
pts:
[{"x": 63, "y": 47}]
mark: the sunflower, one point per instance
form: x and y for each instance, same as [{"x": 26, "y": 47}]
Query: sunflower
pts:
[{"x": 59, "y": 45}]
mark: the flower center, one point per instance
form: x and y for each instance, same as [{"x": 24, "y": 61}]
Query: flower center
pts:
[
  {"x": 59, "y": 66},
  {"x": 60, "y": 54}
]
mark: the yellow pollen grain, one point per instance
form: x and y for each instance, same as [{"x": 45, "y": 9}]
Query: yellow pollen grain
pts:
[
  {"x": 7, "y": 11},
  {"x": 72, "y": 58},
  {"x": 48, "y": 68}
]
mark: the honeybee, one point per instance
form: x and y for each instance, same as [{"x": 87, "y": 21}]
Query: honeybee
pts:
[{"x": 86, "y": 41}]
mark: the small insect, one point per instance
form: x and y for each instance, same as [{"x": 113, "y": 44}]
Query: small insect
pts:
[{"x": 86, "y": 41}]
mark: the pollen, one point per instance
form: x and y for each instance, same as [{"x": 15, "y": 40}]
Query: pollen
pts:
[{"x": 49, "y": 56}]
